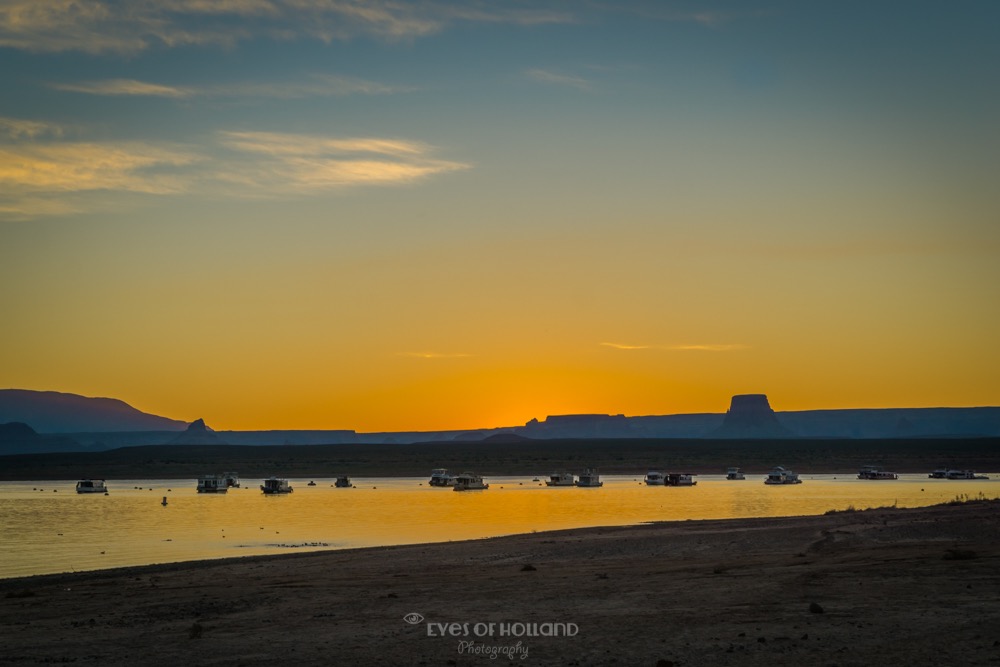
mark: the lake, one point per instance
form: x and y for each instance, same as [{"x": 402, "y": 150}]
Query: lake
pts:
[{"x": 48, "y": 527}]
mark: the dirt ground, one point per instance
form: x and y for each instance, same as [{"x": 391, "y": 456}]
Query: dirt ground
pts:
[{"x": 879, "y": 587}]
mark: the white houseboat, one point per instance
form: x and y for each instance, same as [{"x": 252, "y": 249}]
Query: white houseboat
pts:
[
  {"x": 940, "y": 473},
  {"x": 232, "y": 479},
  {"x": 734, "y": 473},
  {"x": 874, "y": 472},
  {"x": 560, "y": 479},
  {"x": 440, "y": 477},
  {"x": 468, "y": 481},
  {"x": 91, "y": 486},
  {"x": 780, "y": 475},
  {"x": 590, "y": 478},
  {"x": 654, "y": 478},
  {"x": 343, "y": 482},
  {"x": 680, "y": 479},
  {"x": 212, "y": 484},
  {"x": 275, "y": 485},
  {"x": 965, "y": 474}
]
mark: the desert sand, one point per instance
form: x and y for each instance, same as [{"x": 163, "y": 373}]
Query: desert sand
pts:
[{"x": 878, "y": 587}]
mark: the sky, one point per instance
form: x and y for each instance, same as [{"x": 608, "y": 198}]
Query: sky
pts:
[{"x": 389, "y": 215}]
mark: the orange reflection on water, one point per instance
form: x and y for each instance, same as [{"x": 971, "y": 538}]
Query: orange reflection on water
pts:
[{"x": 56, "y": 530}]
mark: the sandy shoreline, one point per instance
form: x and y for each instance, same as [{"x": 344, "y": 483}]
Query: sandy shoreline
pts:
[{"x": 914, "y": 586}]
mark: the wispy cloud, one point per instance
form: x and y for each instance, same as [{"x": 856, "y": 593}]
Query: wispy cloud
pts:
[
  {"x": 123, "y": 87},
  {"x": 17, "y": 129},
  {"x": 318, "y": 85},
  {"x": 132, "y": 26},
  {"x": 41, "y": 174},
  {"x": 623, "y": 346},
  {"x": 697, "y": 347},
  {"x": 297, "y": 163},
  {"x": 78, "y": 166},
  {"x": 434, "y": 355},
  {"x": 556, "y": 78}
]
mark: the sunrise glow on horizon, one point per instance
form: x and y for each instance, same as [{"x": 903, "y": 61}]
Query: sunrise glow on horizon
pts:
[{"x": 385, "y": 216}]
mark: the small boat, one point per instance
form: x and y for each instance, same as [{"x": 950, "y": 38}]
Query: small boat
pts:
[
  {"x": 536, "y": 480},
  {"x": 680, "y": 479},
  {"x": 343, "y": 482},
  {"x": 654, "y": 478},
  {"x": 780, "y": 475},
  {"x": 965, "y": 474},
  {"x": 232, "y": 479},
  {"x": 590, "y": 479},
  {"x": 212, "y": 484},
  {"x": 311, "y": 483},
  {"x": 468, "y": 481},
  {"x": 275, "y": 485},
  {"x": 91, "y": 486},
  {"x": 440, "y": 477},
  {"x": 874, "y": 472},
  {"x": 735, "y": 473},
  {"x": 560, "y": 479},
  {"x": 940, "y": 473}
]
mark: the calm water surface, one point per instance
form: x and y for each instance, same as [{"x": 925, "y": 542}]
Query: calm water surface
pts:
[{"x": 47, "y": 527}]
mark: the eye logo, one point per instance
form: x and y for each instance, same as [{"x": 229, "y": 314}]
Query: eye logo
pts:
[{"x": 413, "y": 618}]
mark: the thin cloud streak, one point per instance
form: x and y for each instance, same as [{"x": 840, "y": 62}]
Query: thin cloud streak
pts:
[
  {"x": 546, "y": 76},
  {"x": 128, "y": 27},
  {"x": 320, "y": 85},
  {"x": 701, "y": 347},
  {"x": 303, "y": 163},
  {"x": 119, "y": 87},
  {"x": 434, "y": 355}
]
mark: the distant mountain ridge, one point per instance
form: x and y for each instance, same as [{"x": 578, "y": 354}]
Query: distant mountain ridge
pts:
[
  {"x": 56, "y": 412},
  {"x": 103, "y": 423}
]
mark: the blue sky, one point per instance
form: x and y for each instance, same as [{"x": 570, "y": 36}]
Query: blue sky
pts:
[{"x": 324, "y": 212}]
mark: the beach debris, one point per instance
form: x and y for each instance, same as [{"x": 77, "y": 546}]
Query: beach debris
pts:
[{"x": 815, "y": 608}]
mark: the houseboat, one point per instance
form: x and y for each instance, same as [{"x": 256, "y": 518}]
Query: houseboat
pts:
[
  {"x": 91, "y": 486},
  {"x": 654, "y": 478},
  {"x": 274, "y": 486},
  {"x": 440, "y": 477},
  {"x": 734, "y": 473},
  {"x": 965, "y": 474},
  {"x": 940, "y": 473},
  {"x": 590, "y": 478},
  {"x": 212, "y": 484},
  {"x": 343, "y": 482},
  {"x": 680, "y": 479},
  {"x": 468, "y": 481},
  {"x": 560, "y": 479},
  {"x": 232, "y": 479},
  {"x": 780, "y": 475},
  {"x": 874, "y": 472}
]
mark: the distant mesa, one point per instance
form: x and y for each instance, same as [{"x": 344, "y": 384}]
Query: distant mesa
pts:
[
  {"x": 750, "y": 416},
  {"x": 198, "y": 433}
]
